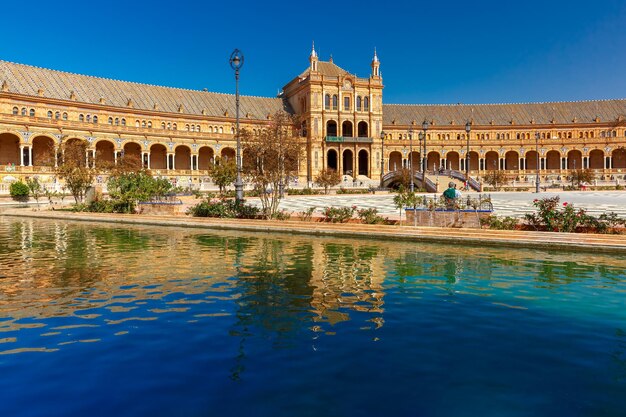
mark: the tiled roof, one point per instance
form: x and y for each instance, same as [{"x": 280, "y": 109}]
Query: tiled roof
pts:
[
  {"x": 27, "y": 80},
  {"x": 329, "y": 69},
  {"x": 506, "y": 114}
]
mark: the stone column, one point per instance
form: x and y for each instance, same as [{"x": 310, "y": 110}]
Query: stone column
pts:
[
  {"x": 21, "y": 155},
  {"x": 30, "y": 156}
]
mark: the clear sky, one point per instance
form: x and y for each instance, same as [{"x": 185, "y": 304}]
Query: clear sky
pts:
[{"x": 467, "y": 51}]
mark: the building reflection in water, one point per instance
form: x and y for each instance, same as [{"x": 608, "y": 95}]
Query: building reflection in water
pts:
[{"x": 276, "y": 287}]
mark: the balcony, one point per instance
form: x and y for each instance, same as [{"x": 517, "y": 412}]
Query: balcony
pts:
[{"x": 347, "y": 139}]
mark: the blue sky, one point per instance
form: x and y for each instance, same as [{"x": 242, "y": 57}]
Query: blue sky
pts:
[{"x": 431, "y": 52}]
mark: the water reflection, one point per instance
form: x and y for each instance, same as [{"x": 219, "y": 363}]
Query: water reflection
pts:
[{"x": 60, "y": 274}]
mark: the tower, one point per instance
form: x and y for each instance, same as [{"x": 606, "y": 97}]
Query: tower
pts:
[
  {"x": 313, "y": 59},
  {"x": 375, "y": 65}
]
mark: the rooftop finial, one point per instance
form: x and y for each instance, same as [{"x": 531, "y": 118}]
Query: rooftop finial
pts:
[
  {"x": 313, "y": 53},
  {"x": 375, "y": 56},
  {"x": 331, "y": 58}
]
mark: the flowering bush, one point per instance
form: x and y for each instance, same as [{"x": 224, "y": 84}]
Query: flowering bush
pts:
[{"x": 554, "y": 217}]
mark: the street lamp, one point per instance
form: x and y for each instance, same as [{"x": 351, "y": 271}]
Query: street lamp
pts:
[
  {"x": 411, "y": 184},
  {"x": 424, "y": 128},
  {"x": 468, "y": 129},
  {"x": 236, "y": 62},
  {"x": 382, "y": 157},
  {"x": 537, "y": 152}
]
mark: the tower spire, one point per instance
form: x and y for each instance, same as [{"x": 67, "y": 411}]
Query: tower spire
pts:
[
  {"x": 313, "y": 58},
  {"x": 375, "y": 65}
]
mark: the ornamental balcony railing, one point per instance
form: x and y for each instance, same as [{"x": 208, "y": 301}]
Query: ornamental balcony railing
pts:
[{"x": 347, "y": 139}]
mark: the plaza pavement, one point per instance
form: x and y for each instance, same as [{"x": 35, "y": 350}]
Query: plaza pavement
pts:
[{"x": 514, "y": 204}]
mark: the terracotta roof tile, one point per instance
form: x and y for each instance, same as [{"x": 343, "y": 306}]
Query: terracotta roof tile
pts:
[
  {"x": 27, "y": 80},
  {"x": 504, "y": 114}
]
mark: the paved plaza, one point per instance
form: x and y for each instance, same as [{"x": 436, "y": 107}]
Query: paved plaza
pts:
[{"x": 504, "y": 203}]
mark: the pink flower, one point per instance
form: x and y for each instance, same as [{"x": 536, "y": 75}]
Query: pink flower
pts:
[
  {"x": 564, "y": 204},
  {"x": 535, "y": 200}
]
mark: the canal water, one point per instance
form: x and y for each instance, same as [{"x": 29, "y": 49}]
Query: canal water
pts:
[{"x": 99, "y": 320}]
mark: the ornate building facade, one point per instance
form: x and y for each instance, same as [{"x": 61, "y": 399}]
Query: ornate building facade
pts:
[{"x": 346, "y": 126}]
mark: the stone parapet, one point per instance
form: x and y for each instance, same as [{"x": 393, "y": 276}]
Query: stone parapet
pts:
[{"x": 445, "y": 218}]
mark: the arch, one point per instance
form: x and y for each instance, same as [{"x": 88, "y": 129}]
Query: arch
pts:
[
  {"x": 43, "y": 151},
  {"x": 347, "y": 162},
  {"x": 105, "y": 153},
  {"x": 618, "y": 157},
  {"x": 358, "y": 103},
  {"x": 395, "y": 161},
  {"x": 511, "y": 161},
  {"x": 363, "y": 156},
  {"x": 453, "y": 161},
  {"x": 206, "y": 157},
  {"x": 531, "y": 160},
  {"x": 346, "y": 129},
  {"x": 158, "y": 156},
  {"x": 596, "y": 159},
  {"x": 331, "y": 160},
  {"x": 132, "y": 154},
  {"x": 574, "y": 159},
  {"x": 335, "y": 101},
  {"x": 433, "y": 160},
  {"x": 327, "y": 102},
  {"x": 553, "y": 160},
  {"x": 228, "y": 154},
  {"x": 491, "y": 161},
  {"x": 9, "y": 149},
  {"x": 473, "y": 165},
  {"x": 331, "y": 128},
  {"x": 363, "y": 131},
  {"x": 182, "y": 157},
  {"x": 366, "y": 103}
]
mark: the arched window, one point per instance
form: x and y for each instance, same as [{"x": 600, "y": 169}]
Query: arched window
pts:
[
  {"x": 117, "y": 121},
  {"x": 95, "y": 119},
  {"x": 88, "y": 118},
  {"x": 137, "y": 123},
  {"x": 335, "y": 100},
  {"x": 32, "y": 113},
  {"x": 198, "y": 128},
  {"x": 327, "y": 102},
  {"x": 366, "y": 103},
  {"x": 174, "y": 126},
  {"x": 49, "y": 114},
  {"x": 149, "y": 124},
  {"x": 358, "y": 103},
  {"x": 123, "y": 122},
  {"x": 169, "y": 126},
  {"x": 221, "y": 129},
  {"x": 64, "y": 116},
  {"x": 232, "y": 130},
  {"x": 591, "y": 134},
  {"x": 16, "y": 111},
  {"x": 210, "y": 129},
  {"x": 193, "y": 128},
  {"x": 346, "y": 103},
  {"x": 23, "y": 111},
  {"x": 111, "y": 120},
  {"x": 143, "y": 123},
  {"x": 569, "y": 135},
  {"x": 162, "y": 125},
  {"x": 81, "y": 117},
  {"x": 57, "y": 115},
  {"x": 187, "y": 127}
]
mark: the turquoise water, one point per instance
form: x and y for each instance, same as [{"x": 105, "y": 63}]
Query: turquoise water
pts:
[{"x": 100, "y": 320}]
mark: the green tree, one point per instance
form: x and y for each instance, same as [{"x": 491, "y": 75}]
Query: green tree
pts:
[
  {"x": 19, "y": 191},
  {"x": 223, "y": 173},
  {"x": 328, "y": 178},
  {"x": 126, "y": 189}
]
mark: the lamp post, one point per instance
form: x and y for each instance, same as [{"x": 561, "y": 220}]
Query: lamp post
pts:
[
  {"x": 468, "y": 129},
  {"x": 382, "y": 157},
  {"x": 411, "y": 183},
  {"x": 537, "y": 188},
  {"x": 236, "y": 62},
  {"x": 424, "y": 128}
]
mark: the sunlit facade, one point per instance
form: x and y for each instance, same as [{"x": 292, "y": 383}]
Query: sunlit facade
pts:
[{"x": 346, "y": 126}]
